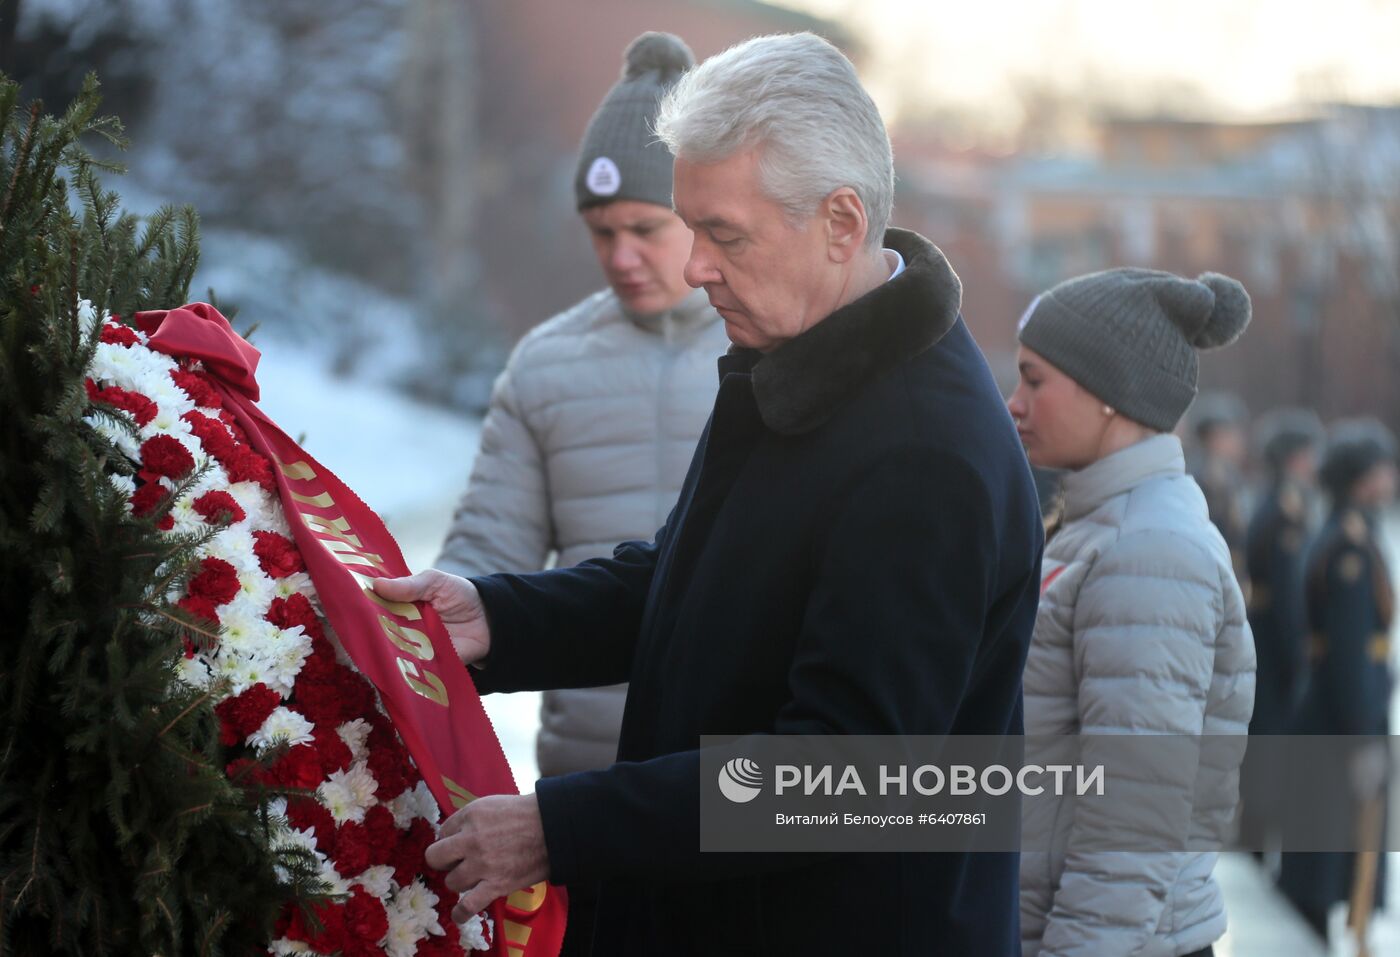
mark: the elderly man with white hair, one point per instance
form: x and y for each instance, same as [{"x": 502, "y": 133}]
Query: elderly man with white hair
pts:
[{"x": 855, "y": 550}]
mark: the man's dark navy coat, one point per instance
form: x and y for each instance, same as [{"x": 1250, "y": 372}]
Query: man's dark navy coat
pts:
[{"x": 856, "y": 549}]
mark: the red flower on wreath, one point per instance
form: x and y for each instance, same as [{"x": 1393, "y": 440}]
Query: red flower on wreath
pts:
[
  {"x": 242, "y": 714},
  {"x": 408, "y": 853},
  {"x": 164, "y": 455},
  {"x": 213, "y": 436},
  {"x": 365, "y": 918},
  {"x": 300, "y": 767},
  {"x": 142, "y": 409},
  {"x": 352, "y": 854},
  {"x": 334, "y": 753},
  {"x": 295, "y": 610},
  {"x": 119, "y": 335},
  {"x": 277, "y": 555},
  {"x": 219, "y": 508},
  {"x": 381, "y": 833},
  {"x": 217, "y": 581},
  {"x": 196, "y": 386},
  {"x": 199, "y": 607}
]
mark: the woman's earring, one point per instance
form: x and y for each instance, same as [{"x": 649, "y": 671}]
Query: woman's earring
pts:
[{"x": 1108, "y": 410}]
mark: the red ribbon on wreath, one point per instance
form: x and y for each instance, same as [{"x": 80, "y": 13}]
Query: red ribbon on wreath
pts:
[{"x": 403, "y": 648}]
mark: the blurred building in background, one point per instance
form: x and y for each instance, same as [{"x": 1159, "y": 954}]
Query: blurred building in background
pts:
[{"x": 1305, "y": 212}]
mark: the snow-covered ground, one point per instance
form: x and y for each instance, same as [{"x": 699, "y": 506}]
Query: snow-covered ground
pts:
[{"x": 408, "y": 461}]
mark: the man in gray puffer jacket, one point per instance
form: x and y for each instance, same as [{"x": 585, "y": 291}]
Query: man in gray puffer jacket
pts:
[{"x": 595, "y": 418}]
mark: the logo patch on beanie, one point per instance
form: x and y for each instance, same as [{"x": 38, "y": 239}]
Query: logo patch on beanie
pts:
[{"x": 604, "y": 178}]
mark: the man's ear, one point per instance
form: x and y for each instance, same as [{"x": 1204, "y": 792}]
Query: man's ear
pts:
[{"x": 843, "y": 215}]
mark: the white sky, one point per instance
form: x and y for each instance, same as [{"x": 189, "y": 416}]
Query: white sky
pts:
[{"x": 1248, "y": 56}]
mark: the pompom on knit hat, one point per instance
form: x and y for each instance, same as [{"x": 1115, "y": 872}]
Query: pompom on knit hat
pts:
[
  {"x": 621, "y": 158},
  {"x": 1130, "y": 336}
]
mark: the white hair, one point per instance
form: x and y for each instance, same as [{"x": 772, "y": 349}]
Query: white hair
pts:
[{"x": 799, "y": 98}]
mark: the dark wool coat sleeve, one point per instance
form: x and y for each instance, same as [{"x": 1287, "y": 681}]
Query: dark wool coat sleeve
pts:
[
  {"x": 568, "y": 627},
  {"x": 860, "y": 668}
]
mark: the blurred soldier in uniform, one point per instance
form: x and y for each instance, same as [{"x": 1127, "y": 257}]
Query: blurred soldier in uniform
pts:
[
  {"x": 1350, "y": 609},
  {"x": 1287, "y": 440},
  {"x": 1218, "y": 420},
  {"x": 1274, "y": 542}
]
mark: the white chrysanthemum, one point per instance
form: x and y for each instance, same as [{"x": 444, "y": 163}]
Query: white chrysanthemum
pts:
[
  {"x": 289, "y": 585},
  {"x": 125, "y": 442},
  {"x": 167, "y": 421},
  {"x": 255, "y": 501},
  {"x": 257, "y": 586},
  {"x": 287, "y": 655},
  {"x": 425, "y": 805},
  {"x": 282, "y": 726},
  {"x": 187, "y": 520},
  {"x": 348, "y": 794},
  {"x": 338, "y": 886},
  {"x": 420, "y": 905},
  {"x": 211, "y": 479},
  {"x": 245, "y": 632},
  {"x": 123, "y": 483},
  {"x": 404, "y": 933},
  {"x": 87, "y": 315},
  {"x": 193, "y": 672},
  {"x": 286, "y": 947},
  {"x": 472, "y": 935},
  {"x": 378, "y": 880},
  {"x": 234, "y": 545},
  {"x": 355, "y": 734}
]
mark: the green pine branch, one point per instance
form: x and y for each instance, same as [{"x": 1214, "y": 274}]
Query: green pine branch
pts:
[{"x": 119, "y": 830}]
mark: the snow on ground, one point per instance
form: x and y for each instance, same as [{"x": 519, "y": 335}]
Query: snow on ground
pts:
[{"x": 409, "y": 462}]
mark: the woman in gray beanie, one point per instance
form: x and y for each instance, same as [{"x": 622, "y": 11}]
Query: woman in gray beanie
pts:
[{"x": 1141, "y": 627}]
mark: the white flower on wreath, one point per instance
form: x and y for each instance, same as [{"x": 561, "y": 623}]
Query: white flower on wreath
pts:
[
  {"x": 282, "y": 726},
  {"x": 348, "y": 794},
  {"x": 355, "y": 733}
]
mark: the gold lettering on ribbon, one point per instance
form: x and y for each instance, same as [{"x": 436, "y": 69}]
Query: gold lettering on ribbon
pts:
[
  {"x": 517, "y": 936},
  {"x": 459, "y": 795},
  {"x": 423, "y": 682},
  {"x": 403, "y": 609},
  {"x": 348, "y": 554},
  {"x": 410, "y": 640},
  {"x": 530, "y": 899},
  {"x": 323, "y": 500},
  {"x": 334, "y": 527},
  {"x": 296, "y": 470}
]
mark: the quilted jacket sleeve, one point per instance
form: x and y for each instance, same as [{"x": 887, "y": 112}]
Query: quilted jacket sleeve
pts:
[
  {"x": 1145, "y": 628},
  {"x": 502, "y": 523}
]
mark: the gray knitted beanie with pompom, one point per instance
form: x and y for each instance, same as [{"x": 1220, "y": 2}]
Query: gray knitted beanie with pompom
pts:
[
  {"x": 1130, "y": 336},
  {"x": 621, "y": 158}
]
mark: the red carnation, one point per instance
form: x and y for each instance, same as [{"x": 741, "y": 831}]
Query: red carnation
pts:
[
  {"x": 335, "y": 753},
  {"x": 245, "y": 772},
  {"x": 330, "y": 938},
  {"x": 329, "y": 693},
  {"x": 408, "y": 853},
  {"x": 119, "y": 335},
  {"x": 308, "y": 814},
  {"x": 212, "y": 436},
  {"x": 219, "y": 508},
  {"x": 142, "y": 409},
  {"x": 199, "y": 607},
  {"x": 147, "y": 499},
  {"x": 164, "y": 455},
  {"x": 295, "y": 610},
  {"x": 447, "y": 945},
  {"x": 277, "y": 554},
  {"x": 245, "y": 465},
  {"x": 390, "y": 769},
  {"x": 300, "y": 767},
  {"x": 364, "y": 916},
  {"x": 217, "y": 581},
  {"x": 242, "y": 714},
  {"x": 196, "y": 386},
  {"x": 382, "y": 833},
  {"x": 352, "y": 854}
]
